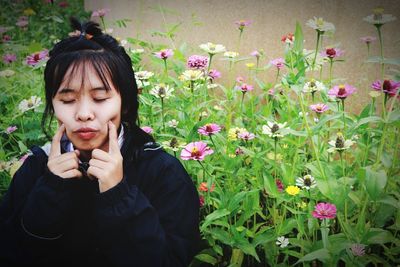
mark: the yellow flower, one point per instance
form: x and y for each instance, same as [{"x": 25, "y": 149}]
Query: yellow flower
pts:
[
  {"x": 292, "y": 190},
  {"x": 29, "y": 12},
  {"x": 374, "y": 94},
  {"x": 234, "y": 132},
  {"x": 250, "y": 65},
  {"x": 285, "y": 146},
  {"x": 302, "y": 205},
  {"x": 271, "y": 156}
]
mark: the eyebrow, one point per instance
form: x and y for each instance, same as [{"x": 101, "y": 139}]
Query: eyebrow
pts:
[{"x": 69, "y": 90}]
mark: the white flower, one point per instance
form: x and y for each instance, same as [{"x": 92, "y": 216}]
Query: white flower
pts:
[
  {"x": 172, "y": 123},
  {"x": 316, "y": 120},
  {"x": 31, "y": 103},
  {"x": 143, "y": 75},
  {"x": 109, "y": 30},
  {"x": 313, "y": 86},
  {"x": 378, "y": 18},
  {"x": 174, "y": 144},
  {"x": 301, "y": 114},
  {"x": 212, "y": 86},
  {"x": 162, "y": 91},
  {"x": 320, "y": 25},
  {"x": 273, "y": 129},
  {"x": 7, "y": 73},
  {"x": 282, "y": 241},
  {"x": 212, "y": 48},
  {"x": 306, "y": 182},
  {"x": 123, "y": 42},
  {"x": 216, "y": 107},
  {"x": 231, "y": 54},
  {"x": 192, "y": 75},
  {"x": 339, "y": 144},
  {"x": 137, "y": 51}
]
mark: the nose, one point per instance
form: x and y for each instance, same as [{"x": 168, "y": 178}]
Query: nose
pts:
[{"x": 84, "y": 111}]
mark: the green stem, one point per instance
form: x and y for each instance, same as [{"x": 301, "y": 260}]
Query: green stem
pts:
[
  {"x": 344, "y": 119},
  {"x": 316, "y": 50},
  {"x": 324, "y": 233},
  {"x": 162, "y": 112}
]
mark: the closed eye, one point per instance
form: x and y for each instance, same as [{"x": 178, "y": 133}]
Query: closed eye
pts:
[
  {"x": 99, "y": 100},
  {"x": 67, "y": 101}
]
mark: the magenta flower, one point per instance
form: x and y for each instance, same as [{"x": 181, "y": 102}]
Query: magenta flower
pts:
[
  {"x": 368, "y": 39},
  {"x": 214, "y": 74},
  {"x": 147, "y": 129},
  {"x": 246, "y": 136},
  {"x": 242, "y": 23},
  {"x": 278, "y": 62},
  {"x": 100, "y": 12},
  {"x": 63, "y": 4},
  {"x": 256, "y": 54},
  {"x": 22, "y": 23},
  {"x": 164, "y": 54},
  {"x": 279, "y": 185},
  {"x": 319, "y": 108},
  {"x": 342, "y": 91},
  {"x": 324, "y": 211},
  {"x": 11, "y": 129},
  {"x": 196, "y": 151},
  {"x": 389, "y": 87},
  {"x": 332, "y": 53},
  {"x": 6, "y": 38},
  {"x": 37, "y": 57},
  {"x": 239, "y": 79},
  {"x": 209, "y": 129},
  {"x": 9, "y": 58},
  {"x": 197, "y": 62},
  {"x": 244, "y": 87}
]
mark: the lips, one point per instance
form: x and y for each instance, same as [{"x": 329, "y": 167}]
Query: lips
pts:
[{"x": 86, "y": 133}]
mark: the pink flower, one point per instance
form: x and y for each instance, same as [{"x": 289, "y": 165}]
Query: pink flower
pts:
[
  {"x": 244, "y": 87},
  {"x": 147, "y": 129},
  {"x": 368, "y": 39},
  {"x": 289, "y": 38},
  {"x": 11, "y": 129},
  {"x": 100, "y": 12},
  {"x": 213, "y": 74},
  {"x": 201, "y": 200},
  {"x": 278, "y": 62},
  {"x": 209, "y": 129},
  {"x": 279, "y": 185},
  {"x": 324, "y": 211},
  {"x": 332, "y": 52},
  {"x": 246, "y": 136},
  {"x": 35, "y": 58},
  {"x": 6, "y": 38},
  {"x": 242, "y": 23},
  {"x": 203, "y": 187},
  {"x": 24, "y": 157},
  {"x": 196, "y": 151},
  {"x": 9, "y": 58},
  {"x": 63, "y": 4},
  {"x": 197, "y": 62},
  {"x": 22, "y": 23},
  {"x": 256, "y": 54},
  {"x": 164, "y": 54},
  {"x": 387, "y": 86},
  {"x": 239, "y": 79},
  {"x": 342, "y": 91},
  {"x": 357, "y": 250},
  {"x": 239, "y": 151},
  {"x": 319, "y": 108}
]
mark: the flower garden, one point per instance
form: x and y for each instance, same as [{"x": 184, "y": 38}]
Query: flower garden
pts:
[{"x": 287, "y": 173}]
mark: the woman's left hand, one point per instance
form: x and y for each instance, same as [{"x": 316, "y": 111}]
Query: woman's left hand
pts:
[{"x": 107, "y": 167}]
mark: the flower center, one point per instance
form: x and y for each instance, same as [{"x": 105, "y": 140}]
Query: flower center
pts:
[
  {"x": 307, "y": 181},
  {"x": 209, "y": 128},
  {"x": 173, "y": 143},
  {"x": 275, "y": 128},
  {"x": 195, "y": 152},
  {"x": 339, "y": 142},
  {"x": 36, "y": 57},
  {"x": 386, "y": 85},
  {"x": 331, "y": 52},
  {"x": 342, "y": 90}
]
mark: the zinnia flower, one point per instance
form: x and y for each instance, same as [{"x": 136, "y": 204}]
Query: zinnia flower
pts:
[
  {"x": 242, "y": 23},
  {"x": 203, "y": 187},
  {"x": 289, "y": 38},
  {"x": 147, "y": 129},
  {"x": 28, "y": 104},
  {"x": 332, "y": 53},
  {"x": 368, "y": 39},
  {"x": 162, "y": 91},
  {"x": 7, "y": 73},
  {"x": 192, "y": 75},
  {"x": 212, "y": 49},
  {"x": 214, "y": 74},
  {"x": 389, "y": 87},
  {"x": 233, "y": 133},
  {"x": 324, "y": 211},
  {"x": 36, "y": 58},
  {"x": 164, "y": 54},
  {"x": 292, "y": 190},
  {"x": 319, "y": 108},
  {"x": 244, "y": 87},
  {"x": 100, "y": 12},
  {"x": 279, "y": 185},
  {"x": 246, "y": 136},
  {"x": 196, "y": 151},
  {"x": 11, "y": 129},
  {"x": 231, "y": 54},
  {"x": 278, "y": 62},
  {"x": 339, "y": 144},
  {"x": 209, "y": 129},
  {"x": 174, "y": 144},
  {"x": 320, "y": 25},
  {"x": 197, "y": 62},
  {"x": 274, "y": 129},
  {"x": 342, "y": 91},
  {"x": 306, "y": 182},
  {"x": 282, "y": 241},
  {"x": 173, "y": 123},
  {"x": 313, "y": 86},
  {"x": 9, "y": 58},
  {"x": 378, "y": 18}
]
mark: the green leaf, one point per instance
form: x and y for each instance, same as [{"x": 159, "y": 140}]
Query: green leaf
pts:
[
  {"x": 394, "y": 116},
  {"x": 298, "y": 38},
  {"x": 367, "y": 120},
  {"x": 320, "y": 254},
  {"x": 214, "y": 216},
  {"x": 375, "y": 182},
  {"x": 206, "y": 258},
  {"x": 237, "y": 257}
]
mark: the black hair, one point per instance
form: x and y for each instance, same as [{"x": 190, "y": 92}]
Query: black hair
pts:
[{"x": 109, "y": 60}]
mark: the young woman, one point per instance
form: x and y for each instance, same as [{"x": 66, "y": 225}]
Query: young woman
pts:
[{"x": 103, "y": 193}]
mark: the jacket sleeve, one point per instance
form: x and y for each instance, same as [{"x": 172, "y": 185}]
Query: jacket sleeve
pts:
[
  {"x": 163, "y": 231},
  {"x": 33, "y": 212}
]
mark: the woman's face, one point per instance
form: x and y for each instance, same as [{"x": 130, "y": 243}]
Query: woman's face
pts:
[{"x": 84, "y": 106}]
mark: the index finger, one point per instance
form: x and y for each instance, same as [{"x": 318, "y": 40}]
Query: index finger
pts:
[
  {"x": 55, "y": 143},
  {"x": 113, "y": 146}
]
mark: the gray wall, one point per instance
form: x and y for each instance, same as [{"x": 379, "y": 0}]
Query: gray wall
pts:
[{"x": 271, "y": 19}]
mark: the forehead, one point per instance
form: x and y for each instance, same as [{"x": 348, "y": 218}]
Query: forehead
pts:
[{"x": 87, "y": 75}]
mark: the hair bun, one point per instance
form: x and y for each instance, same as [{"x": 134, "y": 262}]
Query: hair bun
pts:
[{"x": 90, "y": 27}]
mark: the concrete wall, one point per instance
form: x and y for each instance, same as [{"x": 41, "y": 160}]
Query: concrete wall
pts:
[{"x": 213, "y": 20}]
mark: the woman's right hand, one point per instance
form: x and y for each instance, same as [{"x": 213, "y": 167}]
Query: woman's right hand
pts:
[{"x": 64, "y": 165}]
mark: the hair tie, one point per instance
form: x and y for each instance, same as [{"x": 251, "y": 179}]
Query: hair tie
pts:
[{"x": 86, "y": 35}]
